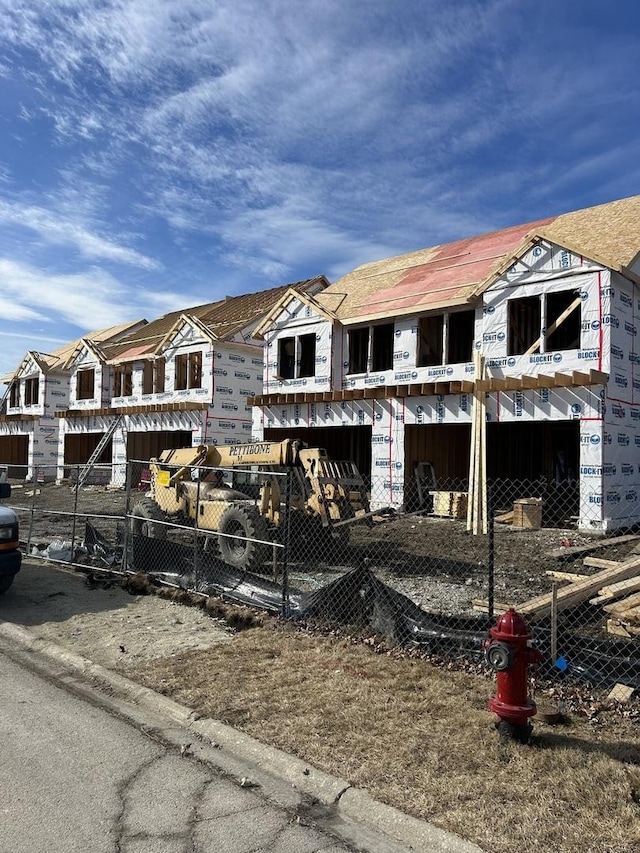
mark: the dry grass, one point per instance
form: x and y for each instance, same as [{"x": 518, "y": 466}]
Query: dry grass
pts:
[{"x": 419, "y": 738}]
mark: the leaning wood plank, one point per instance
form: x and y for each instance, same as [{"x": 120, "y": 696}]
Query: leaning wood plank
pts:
[
  {"x": 505, "y": 518},
  {"x": 600, "y": 563},
  {"x": 627, "y": 605},
  {"x": 482, "y": 606},
  {"x": 575, "y": 593},
  {"x": 615, "y": 590},
  {"x": 572, "y": 550},
  {"x": 564, "y": 576}
]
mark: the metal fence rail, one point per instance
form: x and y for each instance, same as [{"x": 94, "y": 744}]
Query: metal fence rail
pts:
[{"x": 412, "y": 575}]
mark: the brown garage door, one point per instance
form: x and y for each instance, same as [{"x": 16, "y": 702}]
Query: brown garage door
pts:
[
  {"x": 14, "y": 452},
  {"x": 143, "y": 446}
]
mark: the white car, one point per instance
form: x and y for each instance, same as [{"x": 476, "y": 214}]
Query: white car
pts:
[{"x": 10, "y": 555}]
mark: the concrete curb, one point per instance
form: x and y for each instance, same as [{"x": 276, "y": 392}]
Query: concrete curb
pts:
[{"x": 350, "y": 803}]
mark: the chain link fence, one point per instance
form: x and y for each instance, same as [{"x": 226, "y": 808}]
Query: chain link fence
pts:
[{"x": 412, "y": 574}]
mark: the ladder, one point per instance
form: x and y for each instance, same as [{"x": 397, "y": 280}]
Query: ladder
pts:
[{"x": 106, "y": 438}]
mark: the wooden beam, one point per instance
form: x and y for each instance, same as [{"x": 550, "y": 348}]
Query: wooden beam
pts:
[
  {"x": 597, "y": 377},
  {"x": 466, "y": 386},
  {"x": 529, "y": 382},
  {"x": 441, "y": 388},
  {"x": 377, "y": 393},
  {"x": 545, "y": 381},
  {"x": 557, "y": 322},
  {"x": 428, "y": 389},
  {"x": 569, "y": 577},
  {"x": 562, "y": 380},
  {"x": 572, "y": 551},
  {"x": 575, "y": 593},
  {"x": 415, "y": 390},
  {"x": 628, "y": 604},
  {"x": 600, "y": 563},
  {"x": 402, "y": 391},
  {"x": 455, "y": 387},
  {"x": 580, "y": 378}
]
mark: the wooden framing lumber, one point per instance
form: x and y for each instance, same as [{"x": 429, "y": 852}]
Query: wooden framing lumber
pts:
[
  {"x": 569, "y": 577},
  {"x": 600, "y": 563},
  {"x": 556, "y": 323},
  {"x": 617, "y": 629},
  {"x": 579, "y": 591},
  {"x": 574, "y": 550},
  {"x": 630, "y": 605},
  {"x": 622, "y": 587}
]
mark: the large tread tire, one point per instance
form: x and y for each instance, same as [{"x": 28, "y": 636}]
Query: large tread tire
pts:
[
  {"x": 146, "y": 513},
  {"x": 241, "y": 526},
  {"x": 5, "y": 583}
]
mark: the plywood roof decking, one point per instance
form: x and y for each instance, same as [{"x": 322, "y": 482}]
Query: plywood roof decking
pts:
[
  {"x": 223, "y": 318},
  {"x": 51, "y": 360},
  {"x": 454, "y": 273}
]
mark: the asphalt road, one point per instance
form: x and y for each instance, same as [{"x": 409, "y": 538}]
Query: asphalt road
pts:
[{"x": 75, "y": 777}]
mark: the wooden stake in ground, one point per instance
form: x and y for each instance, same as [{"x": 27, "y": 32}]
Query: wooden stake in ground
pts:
[{"x": 477, "y": 501}]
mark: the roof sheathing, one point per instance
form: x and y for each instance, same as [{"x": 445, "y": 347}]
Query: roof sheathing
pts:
[
  {"x": 221, "y": 320},
  {"x": 456, "y": 273},
  {"x": 431, "y": 278}
]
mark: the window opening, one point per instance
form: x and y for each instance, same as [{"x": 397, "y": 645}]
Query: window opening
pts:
[
  {"x": 563, "y": 321},
  {"x": 430, "y": 333},
  {"x": 524, "y": 320},
  {"x": 147, "y": 378},
  {"x": 158, "y": 375},
  {"x": 31, "y": 388},
  {"x": 307, "y": 357},
  {"x": 358, "y": 350},
  {"x": 460, "y": 335},
  {"x": 123, "y": 381},
  {"x": 14, "y": 398},
  {"x": 195, "y": 369},
  {"x": 286, "y": 358},
  {"x": 85, "y": 384},
  {"x": 382, "y": 347},
  {"x": 188, "y": 371}
]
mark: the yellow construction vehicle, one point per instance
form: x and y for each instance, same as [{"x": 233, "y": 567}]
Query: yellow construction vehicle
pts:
[{"x": 188, "y": 485}]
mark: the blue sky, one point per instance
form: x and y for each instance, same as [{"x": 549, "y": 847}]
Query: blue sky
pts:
[{"x": 156, "y": 154}]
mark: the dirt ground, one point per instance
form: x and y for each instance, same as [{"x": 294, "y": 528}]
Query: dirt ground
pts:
[
  {"x": 434, "y": 561},
  {"x": 415, "y": 733}
]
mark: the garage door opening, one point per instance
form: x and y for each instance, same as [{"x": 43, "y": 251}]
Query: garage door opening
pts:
[
  {"x": 351, "y": 443},
  {"x": 143, "y": 446},
  {"x": 528, "y": 459},
  {"x": 14, "y": 455}
]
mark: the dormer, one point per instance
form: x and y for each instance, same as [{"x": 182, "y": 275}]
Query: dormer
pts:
[
  {"x": 298, "y": 336},
  {"x": 88, "y": 377},
  {"x": 27, "y": 390}
]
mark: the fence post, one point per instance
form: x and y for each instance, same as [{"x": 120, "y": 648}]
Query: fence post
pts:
[
  {"x": 127, "y": 503},
  {"x": 75, "y": 514},
  {"x": 195, "y": 536},
  {"x": 491, "y": 553},
  {"x": 286, "y": 544},
  {"x": 33, "y": 508}
]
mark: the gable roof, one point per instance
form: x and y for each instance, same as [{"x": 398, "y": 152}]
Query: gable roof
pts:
[
  {"x": 455, "y": 273},
  {"x": 218, "y": 320},
  {"x": 281, "y": 305},
  {"x": 60, "y": 358}
]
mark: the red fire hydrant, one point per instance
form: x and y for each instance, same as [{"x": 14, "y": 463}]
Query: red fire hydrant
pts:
[{"x": 509, "y": 654}]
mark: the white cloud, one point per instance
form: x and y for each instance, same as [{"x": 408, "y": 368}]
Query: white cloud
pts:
[
  {"x": 56, "y": 231},
  {"x": 89, "y": 300}
]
